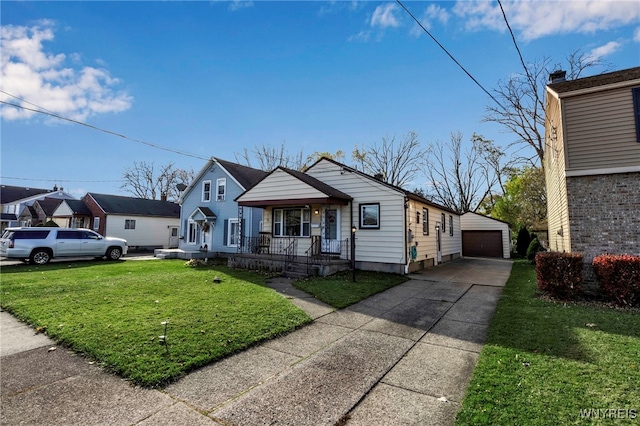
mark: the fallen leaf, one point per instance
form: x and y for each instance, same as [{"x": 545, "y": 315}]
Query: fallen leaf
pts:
[{"x": 52, "y": 348}]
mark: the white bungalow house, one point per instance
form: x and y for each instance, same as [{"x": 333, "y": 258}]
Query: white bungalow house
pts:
[
  {"x": 314, "y": 213},
  {"x": 211, "y": 223}
]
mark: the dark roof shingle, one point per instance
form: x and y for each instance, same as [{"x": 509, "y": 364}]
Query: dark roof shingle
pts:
[
  {"x": 9, "y": 194},
  {"x": 596, "y": 80},
  {"x": 117, "y": 204},
  {"x": 246, "y": 176}
]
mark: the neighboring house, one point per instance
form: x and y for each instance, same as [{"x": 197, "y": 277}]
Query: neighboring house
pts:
[
  {"x": 145, "y": 224},
  {"x": 592, "y": 164},
  {"x": 211, "y": 221},
  {"x": 315, "y": 211},
  {"x": 484, "y": 236},
  {"x": 72, "y": 214},
  {"x": 40, "y": 212},
  {"x": 14, "y": 199}
]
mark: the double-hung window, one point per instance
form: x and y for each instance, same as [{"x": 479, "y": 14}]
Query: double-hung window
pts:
[
  {"x": 292, "y": 222},
  {"x": 192, "y": 235},
  {"x": 129, "y": 224},
  {"x": 206, "y": 191},
  {"x": 443, "y": 225},
  {"x": 221, "y": 189},
  {"x": 451, "y": 225}
]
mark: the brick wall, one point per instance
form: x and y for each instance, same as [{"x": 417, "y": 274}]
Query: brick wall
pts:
[{"x": 604, "y": 215}]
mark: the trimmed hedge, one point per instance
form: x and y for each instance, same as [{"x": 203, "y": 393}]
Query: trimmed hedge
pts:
[
  {"x": 559, "y": 274},
  {"x": 619, "y": 277}
]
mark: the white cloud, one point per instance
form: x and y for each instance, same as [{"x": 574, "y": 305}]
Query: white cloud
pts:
[
  {"x": 385, "y": 16},
  {"x": 534, "y": 19},
  {"x": 636, "y": 35},
  {"x": 602, "y": 51},
  {"x": 42, "y": 78},
  {"x": 240, "y": 4},
  {"x": 362, "y": 36},
  {"x": 431, "y": 14}
]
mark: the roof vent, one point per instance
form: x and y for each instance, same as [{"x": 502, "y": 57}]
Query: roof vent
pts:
[
  {"x": 557, "y": 76},
  {"x": 379, "y": 176}
]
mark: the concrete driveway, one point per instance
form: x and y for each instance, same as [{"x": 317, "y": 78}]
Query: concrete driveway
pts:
[{"x": 404, "y": 356}]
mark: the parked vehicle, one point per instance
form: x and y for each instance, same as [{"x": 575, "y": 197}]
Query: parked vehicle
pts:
[{"x": 41, "y": 244}]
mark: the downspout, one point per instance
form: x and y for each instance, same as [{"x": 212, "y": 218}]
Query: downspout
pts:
[
  {"x": 406, "y": 231},
  {"x": 351, "y": 224}
]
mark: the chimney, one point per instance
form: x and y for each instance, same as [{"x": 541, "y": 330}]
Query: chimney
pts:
[
  {"x": 55, "y": 187},
  {"x": 557, "y": 76},
  {"x": 163, "y": 197}
]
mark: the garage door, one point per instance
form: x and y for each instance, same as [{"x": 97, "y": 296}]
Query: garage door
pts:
[{"x": 482, "y": 243}]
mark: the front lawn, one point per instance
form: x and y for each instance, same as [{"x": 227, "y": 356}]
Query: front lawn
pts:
[
  {"x": 340, "y": 291},
  {"x": 547, "y": 363},
  {"x": 113, "y": 312}
]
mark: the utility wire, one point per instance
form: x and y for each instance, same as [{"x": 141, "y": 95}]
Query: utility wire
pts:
[
  {"x": 449, "y": 54},
  {"x": 42, "y": 111},
  {"x": 62, "y": 180}
]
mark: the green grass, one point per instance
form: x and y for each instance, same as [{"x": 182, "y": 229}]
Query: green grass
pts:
[
  {"x": 544, "y": 362},
  {"x": 112, "y": 312},
  {"x": 340, "y": 291}
]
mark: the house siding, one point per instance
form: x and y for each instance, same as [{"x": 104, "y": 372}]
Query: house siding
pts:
[
  {"x": 364, "y": 190},
  {"x": 271, "y": 189},
  {"x": 224, "y": 210},
  {"x": 555, "y": 178},
  {"x": 600, "y": 130},
  {"x": 149, "y": 232}
]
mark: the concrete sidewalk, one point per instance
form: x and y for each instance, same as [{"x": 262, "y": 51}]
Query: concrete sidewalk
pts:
[{"x": 404, "y": 356}]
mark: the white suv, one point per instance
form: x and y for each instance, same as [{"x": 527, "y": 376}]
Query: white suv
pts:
[{"x": 41, "y": 244}]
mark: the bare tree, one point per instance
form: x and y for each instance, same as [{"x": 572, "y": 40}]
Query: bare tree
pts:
[
  {"x": 522, "y": 100},
  {"x": 267, "y": 157},
  {"x": 397, "y": 161},
  {"x": 143, "y": 180},
  {"x": 462, "y": 179}
]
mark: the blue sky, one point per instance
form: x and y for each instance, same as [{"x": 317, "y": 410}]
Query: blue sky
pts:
[{"x": 214, "y": 78}]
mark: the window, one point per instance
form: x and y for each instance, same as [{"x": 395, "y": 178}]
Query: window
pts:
[
  {"x": 192, "y": 236},
  {"x": 443, "y": 224},
  {"x": 636, "y": 110},
  {"x": 233, "y": 237},
  {"x": 451, "y": 225},
  {"x": 370, "y": 216},
  {"x": 68, "y": 235},
  {"x": 292, "y": 222},
  {"x": 96, "y": 223},
  {"x": 129, "y": 224},
  {"x": 425, "y": 221},
  {"x": 206, "y": 191},
  {"x": 221, "y": 185}
]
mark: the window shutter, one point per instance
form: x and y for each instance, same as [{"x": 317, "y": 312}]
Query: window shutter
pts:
[{"x": 225, "y": 237}]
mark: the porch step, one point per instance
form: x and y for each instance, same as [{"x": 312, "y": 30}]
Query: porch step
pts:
[{"x": 297, "y": 271}]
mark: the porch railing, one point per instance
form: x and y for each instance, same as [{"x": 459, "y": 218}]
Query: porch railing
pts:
[{"x": 265, "y": 244}]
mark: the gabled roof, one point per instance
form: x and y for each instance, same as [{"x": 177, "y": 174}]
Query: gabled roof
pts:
[
  {"x": 487, "y": 217},
  {"x": 596, "y": 81},
  {"x": 329, "y": 193},
  {"x": 49, "y": 205},
  {"x": 244, "y": 176},
  {"x": 408, "y": 194},
  {"x": 117, "y": 204},
  {"x": 9, "y": 194},
  {"x": 78, "y": 207}
]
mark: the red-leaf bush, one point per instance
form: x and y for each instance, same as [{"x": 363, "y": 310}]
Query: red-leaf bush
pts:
[
  {"x": 619, "y": 277},
  {"x": 559, "y": 274}
]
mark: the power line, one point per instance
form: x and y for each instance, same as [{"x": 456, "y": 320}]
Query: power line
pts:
[
  {"x": 62, "y": 180},
  {"x": 449, "y": 54},
  {"x": 41, "y": 110}
]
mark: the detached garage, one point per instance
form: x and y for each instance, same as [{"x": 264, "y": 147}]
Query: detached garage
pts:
[{"x": 483, "y": 236}]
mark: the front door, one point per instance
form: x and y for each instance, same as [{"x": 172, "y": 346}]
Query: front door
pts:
[{"x": 331, "y": 231}]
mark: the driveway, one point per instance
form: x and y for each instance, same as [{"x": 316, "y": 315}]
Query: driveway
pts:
[{"x": 404, "y": 356}]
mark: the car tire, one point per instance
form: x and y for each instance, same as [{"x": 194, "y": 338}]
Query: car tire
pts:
[
  {"x": 40, "y": 257},
  {"x": 114, "y": 253}
]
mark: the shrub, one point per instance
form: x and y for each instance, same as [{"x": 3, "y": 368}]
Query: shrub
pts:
[
  {"x": 522, "y": 242},
  {"x": 619, "y": 277},
  {"x": 534, "y": 248},
  {"x": 559, "y": 274}
]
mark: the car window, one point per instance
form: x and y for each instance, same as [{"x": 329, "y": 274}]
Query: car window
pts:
[
  {"x": 68, "y": 235},
  {"x": 7, "y": 235},
  {"x": 89, "y": 235},
  {"x": 30, "y": 235}
]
